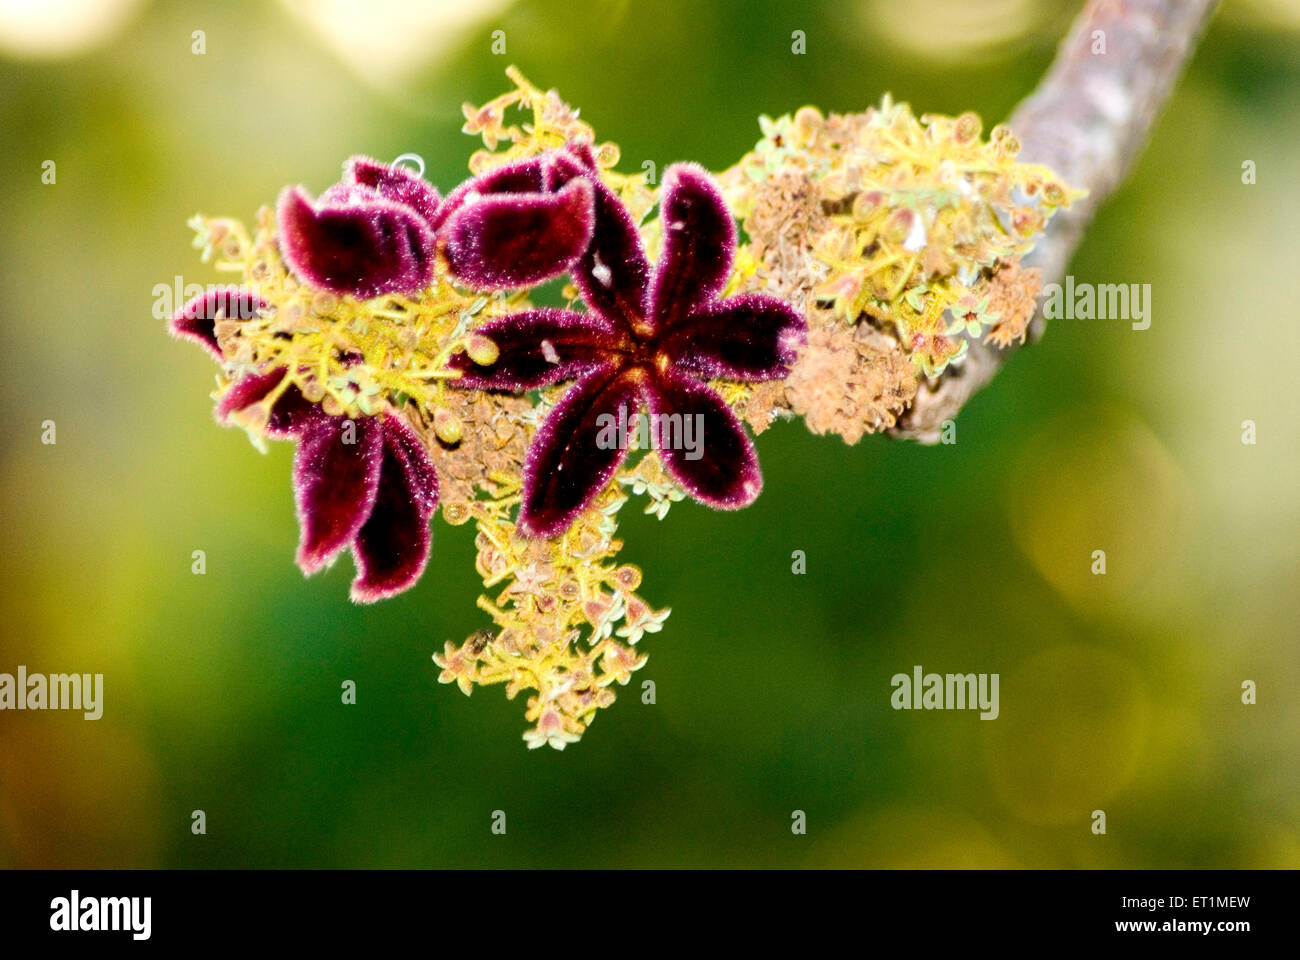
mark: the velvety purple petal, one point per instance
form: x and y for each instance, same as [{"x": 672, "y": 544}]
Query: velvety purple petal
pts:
[
  {"x": 197, "y": 319},
  {"x": 422, "y": 478},
  {"x": 561, "y": 166},
  {"x": 699, "y": 241},
  {"x": 284, "y": 420},
  {"x": 577, "y": 449},
  {"x": 522, "y": 176},
  {"x": 336, "y": 479},
  {"x": 536, "y": 348},
  {"x": 612, "y": 275},
  {"x": 248, "y": 390},
  {"x": 392, "y": 547},
  {"x": 396, "y": 183},
  {"x": 709, "y": 454},
  {"x": 580, "y": 152},
  {"x": 749, "y": 338},
  {"x": 507, "y": 240},
  {"x": 364, "y": 247}
]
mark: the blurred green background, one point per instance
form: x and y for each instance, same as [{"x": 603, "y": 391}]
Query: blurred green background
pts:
[{"x": 1119, "y": 693}]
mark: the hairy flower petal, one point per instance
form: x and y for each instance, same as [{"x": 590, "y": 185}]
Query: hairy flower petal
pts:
[
  {"x": 723, "y": 472},
  {"x": 699, "y": 240},
  {"x": 248, "y": 390},
  {"x": 197, "y": 319},
  {"x": 364, "y": 247},
  {"x": 507, "y": 240},
  {"x": 335, "y": 484},
  {"x": 569, "y": 460},
  {"x": 612, "y": 275},
  {"x": 752, "y": 337},
  {"x": 422, "y": 478},
  {"x": 392, "y": 547},
  {"x": 285, "y": 419},
  {"x": 396, "y": 183},
  {"x": 536, "y": 348},
  {"x": 521, "y": 176}
]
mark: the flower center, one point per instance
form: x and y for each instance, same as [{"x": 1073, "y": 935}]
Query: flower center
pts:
[{"x": 640, "y": 347}]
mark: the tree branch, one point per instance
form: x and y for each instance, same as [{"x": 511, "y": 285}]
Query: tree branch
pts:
[{"x": 1088, "y": 120}]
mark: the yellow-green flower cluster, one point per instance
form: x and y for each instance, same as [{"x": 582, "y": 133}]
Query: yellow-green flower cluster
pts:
[
  {"x": 566, "y": 615},
  {"x": 355, "y": 358},
  {"x": 920, "y": 215},
  {"x": 553, "y": 123}
]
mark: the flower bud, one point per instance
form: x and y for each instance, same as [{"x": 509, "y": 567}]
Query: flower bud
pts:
[
  {"x": 447, "y": 426},
  {"x": 481, "y": 350},
  {"x": 456, "y": 513},
  {"x": 967, "y": 128}
]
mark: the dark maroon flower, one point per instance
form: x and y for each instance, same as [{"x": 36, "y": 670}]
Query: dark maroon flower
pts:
[
  {"x": 512, "y": 227},
  {"x": 378, "y": 230},
  {"x": 651, "y": 336},
  {"x": 365, "y": 483},
  {"x": 197, "y": 320},
  {"x": 366, "y": 235}
]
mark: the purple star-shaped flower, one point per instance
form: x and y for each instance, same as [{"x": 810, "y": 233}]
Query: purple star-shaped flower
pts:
[
  {"x": 380, "y": 228},
  {"x": 366, "y": 483},
  {"x": 648, "y": 336}
]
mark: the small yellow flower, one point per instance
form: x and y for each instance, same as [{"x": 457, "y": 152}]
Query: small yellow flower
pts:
[
  {"x": 457, "y": 668},
  {"x": 618, "y": 663},
  {"x": 640, "y": 619},
  {"x": 551, "y": 730}
]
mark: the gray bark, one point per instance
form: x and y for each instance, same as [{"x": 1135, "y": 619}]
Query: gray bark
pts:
[{"x": 1088, "y": 120}]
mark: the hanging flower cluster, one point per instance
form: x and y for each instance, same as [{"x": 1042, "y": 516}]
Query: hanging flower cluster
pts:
[{"x": 387, "y": 330}]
